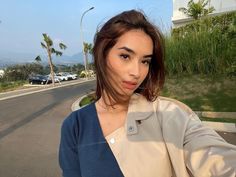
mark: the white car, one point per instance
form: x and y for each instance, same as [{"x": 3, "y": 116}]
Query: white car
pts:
[
  {"x": 62, "y": 77},
  {"x": 74, "y": 76},
  {"x": 56, "y": 78},
  {"x": 70, "y": 76}
]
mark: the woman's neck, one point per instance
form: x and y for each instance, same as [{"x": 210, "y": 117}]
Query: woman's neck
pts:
[{"x": 105, "y": 104}]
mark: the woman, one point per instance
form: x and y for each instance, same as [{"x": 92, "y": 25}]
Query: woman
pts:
[{"x": 131, "y": 131}]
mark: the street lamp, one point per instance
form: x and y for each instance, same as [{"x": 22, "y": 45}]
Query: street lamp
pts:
[{"x": 81, "y": 33}]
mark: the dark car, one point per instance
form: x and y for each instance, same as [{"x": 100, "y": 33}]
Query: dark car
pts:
[{"x": 39, "y": 79}]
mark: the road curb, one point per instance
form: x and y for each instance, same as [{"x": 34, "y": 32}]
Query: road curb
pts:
[
  {"x": 75, "y": 106},
  {"x": 229, "y": 115},
  {"x": 218, "y": 126}
]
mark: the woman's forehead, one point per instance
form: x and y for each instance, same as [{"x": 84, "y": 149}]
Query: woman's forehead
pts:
[{"x": 136, "y": 40}]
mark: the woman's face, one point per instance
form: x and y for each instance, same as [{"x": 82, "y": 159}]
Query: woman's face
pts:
[{"x": 128, "y": 61}]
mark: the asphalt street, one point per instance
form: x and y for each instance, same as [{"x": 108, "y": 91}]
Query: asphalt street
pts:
[{"x": 30, "y": 130}]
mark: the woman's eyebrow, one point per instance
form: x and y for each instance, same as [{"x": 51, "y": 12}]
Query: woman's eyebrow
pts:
[
  {"x": 133, "y": 52},
  {"x": 127, "y": 49},
  {"x": 148, "y": 56}
]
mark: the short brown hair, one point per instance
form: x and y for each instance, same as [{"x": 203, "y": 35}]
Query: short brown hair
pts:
[{"x": 107, "y": 37}]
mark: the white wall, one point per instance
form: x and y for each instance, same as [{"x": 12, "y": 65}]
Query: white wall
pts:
[{"x": 221, "y": 6}]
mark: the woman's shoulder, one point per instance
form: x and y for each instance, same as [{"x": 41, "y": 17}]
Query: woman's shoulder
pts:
[
  {"x": 160, "y": 104},
  {"x": 77, "y": 122},
  {"x": 75, "y": 117},
  {"x": 170, "y": 104},
  {"x": 174, "y": 112},
  {"x": 139, "y": 103}
]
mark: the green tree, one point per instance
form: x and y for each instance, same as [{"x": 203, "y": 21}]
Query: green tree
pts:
[
  {"x": 198, "y": 9},
  {"x": 91, "y": 65},
  {"x": 88, "y": 48},
  {"x": 22, "y": 72},
  {"x": 38, "y": 59},
  {"x": 48, "y": 45},
  {"x": 77, "y": 68}
]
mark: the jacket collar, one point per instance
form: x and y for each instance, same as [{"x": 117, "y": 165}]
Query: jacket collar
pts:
[{"x": 139, "y": 109}]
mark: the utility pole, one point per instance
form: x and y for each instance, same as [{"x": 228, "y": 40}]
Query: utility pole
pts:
[{"x": 82, "y": 40}]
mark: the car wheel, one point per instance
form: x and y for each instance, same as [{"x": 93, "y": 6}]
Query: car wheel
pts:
[{"x": 42, "y": 83}]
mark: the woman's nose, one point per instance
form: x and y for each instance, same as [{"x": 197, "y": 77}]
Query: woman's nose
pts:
[{"x": 135, "y": 69}]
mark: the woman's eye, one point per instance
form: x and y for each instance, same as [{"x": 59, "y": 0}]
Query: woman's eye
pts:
[
  {"x": 146, "y": 62},
  {"x": 124, "y": 56}
]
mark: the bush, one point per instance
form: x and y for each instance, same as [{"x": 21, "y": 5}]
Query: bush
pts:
[
  {"x": 225, "y": 23},
  {"x": 204, "y": 47},
  {"x": 82, "y": 75}
]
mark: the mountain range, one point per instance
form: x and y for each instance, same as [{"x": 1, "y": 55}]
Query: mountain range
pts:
[{"x": 12, "y": 58}]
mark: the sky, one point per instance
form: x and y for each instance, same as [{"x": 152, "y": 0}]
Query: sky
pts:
[{"x": 24, "y": 21}]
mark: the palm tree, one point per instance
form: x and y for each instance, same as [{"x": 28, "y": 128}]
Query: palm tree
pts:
[
  {"x": 88, "y": 48},
  {"x": 197, "y": 10},
  {"x": 38, "y": 59},
  {"x": 48, "y": 45}
]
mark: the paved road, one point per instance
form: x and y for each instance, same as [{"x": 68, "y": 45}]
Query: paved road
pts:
[
  {"x": 35, "y": 88},
  {"x": 30, "y": 130}
]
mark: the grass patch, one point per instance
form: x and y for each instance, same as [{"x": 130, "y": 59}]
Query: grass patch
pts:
[
  {"x": 9, "y": 86},
  {"x": 89, "y": 99},
  {"x": 203, "y": 92}
]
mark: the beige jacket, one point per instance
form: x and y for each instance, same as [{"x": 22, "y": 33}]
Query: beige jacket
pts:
[{"x": 169, "y": 141}]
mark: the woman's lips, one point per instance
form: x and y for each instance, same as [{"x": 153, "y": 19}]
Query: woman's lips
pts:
[{"x": 129, "y": 85}]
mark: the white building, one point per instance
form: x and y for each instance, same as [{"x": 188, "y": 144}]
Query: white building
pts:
[
  {"x": 221, "y": 6},
  {"x": 1, "y": 73}
]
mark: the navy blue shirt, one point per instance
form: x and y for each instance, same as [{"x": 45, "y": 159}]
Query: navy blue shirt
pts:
[{"x": 83, "y": 150}]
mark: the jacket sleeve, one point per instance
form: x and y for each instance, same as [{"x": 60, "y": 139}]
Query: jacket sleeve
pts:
[
  {"x": 68, "y": 151},
  {"x": 205, "y": 152}
]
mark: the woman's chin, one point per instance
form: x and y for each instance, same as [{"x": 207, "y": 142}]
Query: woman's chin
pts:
[{"x": 128, "y": 92}]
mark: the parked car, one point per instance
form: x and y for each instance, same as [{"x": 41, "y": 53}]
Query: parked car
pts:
[
  {"x": 70, "y": 76},
  {"x": 39, "y": 79},
  {"x": 62, "y": 76},
  {"x": 74, "y": 76},
  {"x": 56, "y": 78}
]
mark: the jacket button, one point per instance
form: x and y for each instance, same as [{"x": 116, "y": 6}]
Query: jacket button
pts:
[
  {"x": 131, "y": 128},
  {"x": 112, "y": 140}
]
